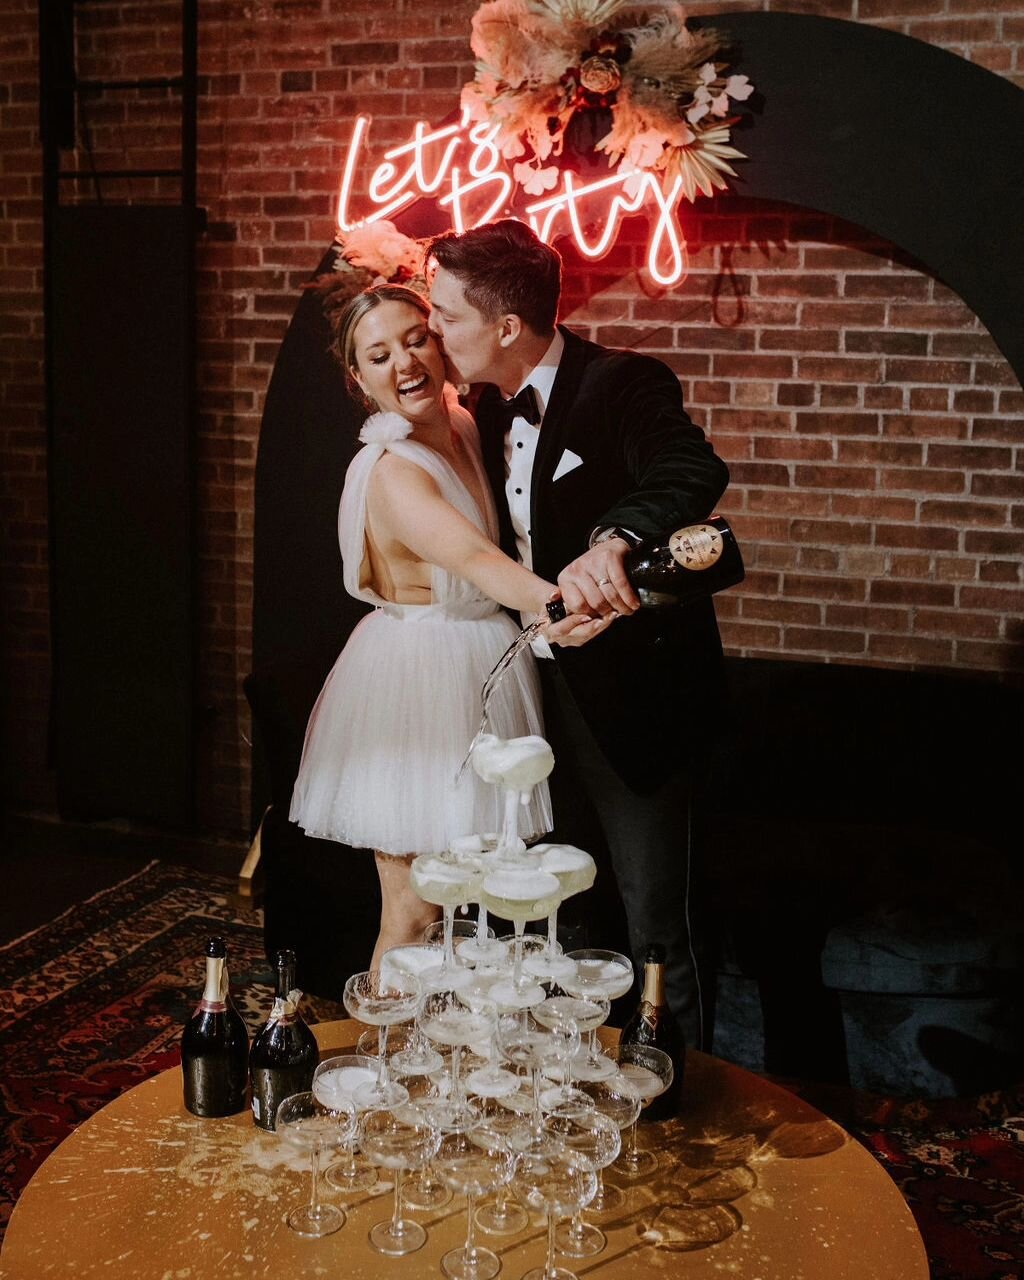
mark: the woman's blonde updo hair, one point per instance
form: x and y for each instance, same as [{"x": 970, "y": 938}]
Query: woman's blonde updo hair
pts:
[{"x": 344, "y": 312}]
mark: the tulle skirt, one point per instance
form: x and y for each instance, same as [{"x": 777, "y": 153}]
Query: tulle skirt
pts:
[{"x": 393, "y": 722}]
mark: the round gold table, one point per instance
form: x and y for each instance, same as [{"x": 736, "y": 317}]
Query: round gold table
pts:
[{"x": 752, "y": 1183}]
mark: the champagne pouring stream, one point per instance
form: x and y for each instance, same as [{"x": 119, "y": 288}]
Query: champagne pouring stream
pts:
[
  {"x": 674, "y": 568},
  {"x": 555, "y": 613},
  {"x": 694, "y": 561},
  {"x": 510, "y": 822}
]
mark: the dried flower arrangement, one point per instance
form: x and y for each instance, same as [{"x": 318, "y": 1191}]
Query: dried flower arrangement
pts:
[
  {"x": 540, "y": 62},
  {"x": 371, "y": 253}
]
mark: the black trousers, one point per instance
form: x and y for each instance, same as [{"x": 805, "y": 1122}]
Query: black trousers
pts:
[{"x": 651, "y": 846}]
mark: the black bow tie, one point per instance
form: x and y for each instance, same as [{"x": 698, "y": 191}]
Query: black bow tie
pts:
[{"x": 522, "y": 405}]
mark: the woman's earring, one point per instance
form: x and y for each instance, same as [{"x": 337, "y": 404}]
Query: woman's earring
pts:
[{"x": 360, "y": 396}]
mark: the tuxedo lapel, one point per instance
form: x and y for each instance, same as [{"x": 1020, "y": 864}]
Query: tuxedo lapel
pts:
[
  {"x": 555, "y": 425},
  {"x": 492, "y": 448}
]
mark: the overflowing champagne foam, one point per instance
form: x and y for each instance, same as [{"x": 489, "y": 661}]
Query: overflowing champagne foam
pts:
[
  {"x": 646, "y": 1082},
  {"x": 603, "y": 970},
  {"x": 562, "y": 857},
  {"x": 517, "y": 764},
  {"x": 513, "y": 884},
  {"x": 575, "y": 869},
  {"x": 413, "y": 958},
  {"x": 474, "y": 846},
  {"x": 432, "y": 866},
  {"x": 335, "y": 1088},
  {"x": 442, "y": 881}
]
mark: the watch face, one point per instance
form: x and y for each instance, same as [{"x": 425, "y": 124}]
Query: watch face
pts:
[{"x": 696, "y": 547}]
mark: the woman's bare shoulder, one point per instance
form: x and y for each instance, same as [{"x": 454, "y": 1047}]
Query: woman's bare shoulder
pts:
[{"x": 394, "y": 476}]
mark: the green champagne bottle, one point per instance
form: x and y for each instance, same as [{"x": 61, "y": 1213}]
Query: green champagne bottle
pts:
[{"x": 653, "y": 1025}]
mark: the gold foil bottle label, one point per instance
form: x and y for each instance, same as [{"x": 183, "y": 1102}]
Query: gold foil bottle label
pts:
[{"x": 696, "y": 547}]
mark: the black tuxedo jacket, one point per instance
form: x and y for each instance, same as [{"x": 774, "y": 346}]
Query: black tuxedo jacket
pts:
[{"x": 649, "y": 686}]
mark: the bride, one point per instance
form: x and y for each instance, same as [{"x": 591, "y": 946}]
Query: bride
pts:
[{"x": 418, "y": 532}]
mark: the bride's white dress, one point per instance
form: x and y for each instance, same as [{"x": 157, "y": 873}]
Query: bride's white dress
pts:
[{"x": 402, "y": 703}]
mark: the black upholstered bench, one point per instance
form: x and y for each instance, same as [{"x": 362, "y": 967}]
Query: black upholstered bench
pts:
[{"x": 856, "y": 811}]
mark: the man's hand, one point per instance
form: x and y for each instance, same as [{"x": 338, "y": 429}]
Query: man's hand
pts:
[{"x": 596, "y": 582}]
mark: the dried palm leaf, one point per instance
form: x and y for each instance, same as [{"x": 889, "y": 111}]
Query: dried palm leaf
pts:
[{"x": 703, "y": 164}]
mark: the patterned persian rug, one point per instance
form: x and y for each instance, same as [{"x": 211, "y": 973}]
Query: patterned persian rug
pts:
[
  {"x": 959, "y": 1163},
  {"x": 93, "y": 1003}
]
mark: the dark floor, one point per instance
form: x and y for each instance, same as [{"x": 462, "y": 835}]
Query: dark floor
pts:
[
  {"x": 40, "y": 886},
  {"x": 49, "y": 866}
]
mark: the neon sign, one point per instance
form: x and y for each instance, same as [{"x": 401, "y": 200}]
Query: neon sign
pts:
[{"x": 460, "y": 166}]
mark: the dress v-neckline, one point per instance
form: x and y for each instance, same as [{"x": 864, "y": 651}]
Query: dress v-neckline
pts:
[{"x": 484, "y": 505}]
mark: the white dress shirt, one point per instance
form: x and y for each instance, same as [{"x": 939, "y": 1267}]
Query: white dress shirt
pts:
[{"x": 520, "y": 451}]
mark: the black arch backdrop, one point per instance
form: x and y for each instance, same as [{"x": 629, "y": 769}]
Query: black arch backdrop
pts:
[
  {"x": 928, "y": 166},
  {"x": 909, "y": 142}
]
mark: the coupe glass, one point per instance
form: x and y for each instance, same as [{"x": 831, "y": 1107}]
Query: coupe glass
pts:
[
  {"x": 447, "y": 1018},
  {"x": 533, "y": 945},
  {"x": 423, "y": 962},
  {"x": 575, "y": 872},
  {"x": 334, "y": 1082},
  {"x": 615, "y": 1097},
  {"x": 598, "y": 1140},
  {"x": 548, "y": 964},
  {"x": 516, "y": 765},
  {"x": 529, "y": 1046},
  {"x": 399, "y": 1038},
  {"x": 519, "y": 894},
  {"x": 503, "y": 1216},
  {"x": 447, "y": 882},
  {"x": 650, "y": 1072},
  {"x": 473, "y": 1163},
  {"x": 426, "y": 1190},
  {"x": 482, "y": 948},
  {"x": 382, "y": 1000},
  {"x": 558, "y": 1182},
  {"x": 464, "y": 932},
  {"x": 303, "y": 1123},
  {"x": 491, "y": 1080},
  {"x": 604, "y": 975},
  {"x": 420, "y": 959},
  {"x": 398, "y": 1139},
  {"x": 570, "y": 1017}
]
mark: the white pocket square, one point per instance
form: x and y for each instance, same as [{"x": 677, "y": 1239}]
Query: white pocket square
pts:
[{"x": 569, "y": 461}]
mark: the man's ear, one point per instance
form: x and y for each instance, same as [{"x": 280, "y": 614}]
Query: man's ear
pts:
[{"x": 509, "y": 330}]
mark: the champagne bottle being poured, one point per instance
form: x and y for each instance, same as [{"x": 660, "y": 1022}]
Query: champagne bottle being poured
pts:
[
  {"x": 681, "y": 566},
  {"x": 673, "y": 568}
]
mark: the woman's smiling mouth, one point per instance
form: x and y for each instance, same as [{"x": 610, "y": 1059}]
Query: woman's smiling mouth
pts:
[{"x": 410, "y": 388}]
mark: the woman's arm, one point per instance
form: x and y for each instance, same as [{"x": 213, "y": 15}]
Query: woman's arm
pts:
[{"x": 406, "y": 505}]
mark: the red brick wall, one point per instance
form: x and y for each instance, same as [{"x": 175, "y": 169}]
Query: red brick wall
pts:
[{"x": 873, "y": 430}]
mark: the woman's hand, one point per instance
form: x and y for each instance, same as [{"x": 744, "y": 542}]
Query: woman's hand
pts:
[
  {"x": 574, "y": 629},
  {"x": 577, "y": 629}
]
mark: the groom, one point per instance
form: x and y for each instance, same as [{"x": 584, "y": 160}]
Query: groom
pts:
[{"x": 589, "y": 450}]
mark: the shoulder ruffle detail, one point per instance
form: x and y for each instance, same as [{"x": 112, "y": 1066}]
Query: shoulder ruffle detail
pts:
[{"x": 383, "y": 428}]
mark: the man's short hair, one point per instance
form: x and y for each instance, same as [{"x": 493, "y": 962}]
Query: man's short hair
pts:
[{"x": 504, "y": 270}]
